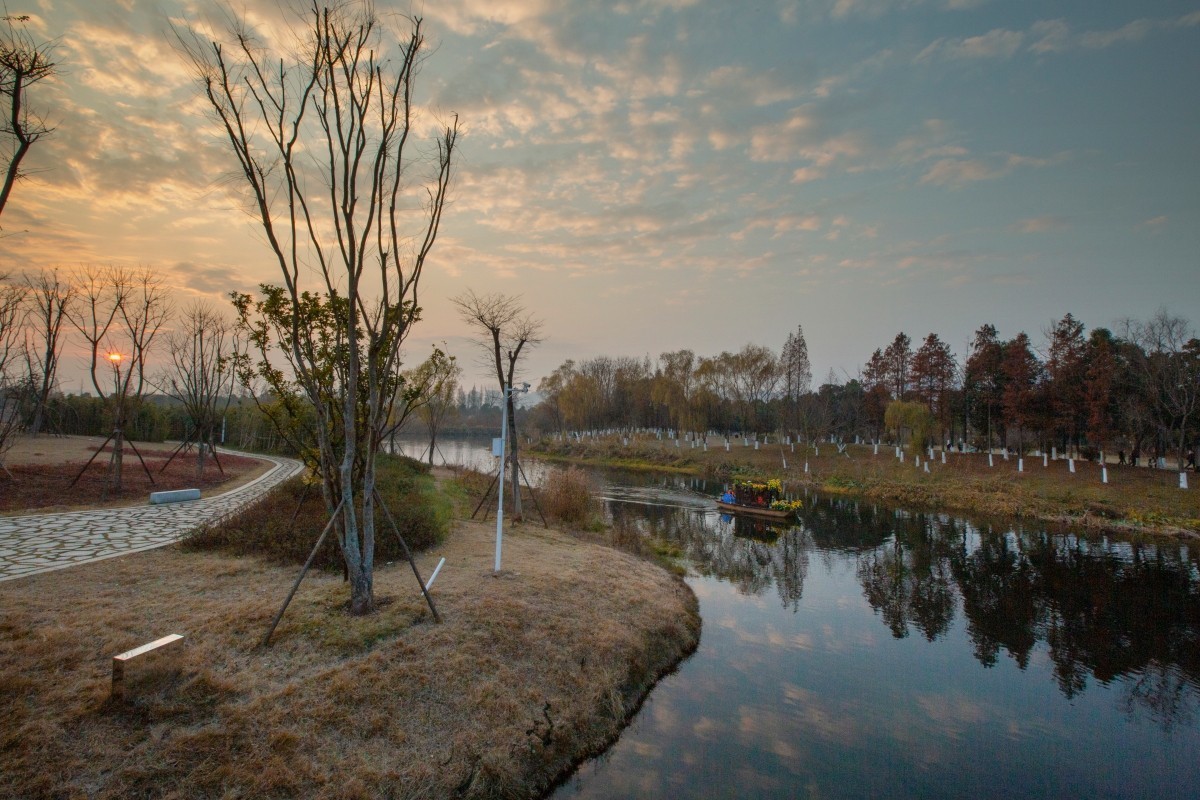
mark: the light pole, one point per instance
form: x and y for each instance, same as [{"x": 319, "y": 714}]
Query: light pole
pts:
[{"x": 508, "y": 393}]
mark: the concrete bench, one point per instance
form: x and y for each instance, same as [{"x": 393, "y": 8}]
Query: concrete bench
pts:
[
  {"x": 174, "y": 496},
  {"x": 119, "y": 661}
]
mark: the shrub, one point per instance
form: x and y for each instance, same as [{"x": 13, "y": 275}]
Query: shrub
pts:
[
  {"x": 567, "y": 496},
  {"x": 267, "y": 529}
]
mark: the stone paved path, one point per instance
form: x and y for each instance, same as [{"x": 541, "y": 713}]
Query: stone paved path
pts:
[{"x": 43, "y": 542}]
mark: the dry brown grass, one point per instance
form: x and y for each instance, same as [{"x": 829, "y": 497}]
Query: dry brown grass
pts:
[
  {"x": 567, "y": 496},
  {"x": 1135, "y": 499},
  {"x": 528, "y": 673}
]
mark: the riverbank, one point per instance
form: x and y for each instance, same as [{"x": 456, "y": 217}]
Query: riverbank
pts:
[
  {"x": 1135, "y": 499},
  {"x": 529, "y": 672}
]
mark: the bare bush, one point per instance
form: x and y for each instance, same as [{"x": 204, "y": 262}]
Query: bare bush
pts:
[{"x": 567, "y": 496}]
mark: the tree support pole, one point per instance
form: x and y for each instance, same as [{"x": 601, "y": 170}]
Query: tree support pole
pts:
[
  {"x": 407, "y": 554},
  {"x": 328, "y": 526},
  {"x": 99, "y": 450},
  {"x": 139, "y": 455},
  {"x": 533, "y": 495},
  {"x": 175, "y": 452},
  {"x": 486, "y": 495}
]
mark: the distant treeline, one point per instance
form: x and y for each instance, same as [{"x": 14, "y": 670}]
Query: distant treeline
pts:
[{"x": 1138, "y": 390}]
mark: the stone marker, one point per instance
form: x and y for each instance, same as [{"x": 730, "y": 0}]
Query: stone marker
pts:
[{"x": 175, "y": 496}]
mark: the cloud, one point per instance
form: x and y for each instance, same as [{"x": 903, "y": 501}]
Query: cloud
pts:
[
  {"x": 1048, "y": 36},
  {"x": 959, "y": 172},
  {"x": 1051, "y": 35},
  {"x": 1043, "y": 224},
  {"x": 1154, "y": 224},
  {"x": 996, "y": 43}
]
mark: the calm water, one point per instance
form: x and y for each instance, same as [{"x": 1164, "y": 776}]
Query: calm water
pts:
[{"x": 867, "y": 652}]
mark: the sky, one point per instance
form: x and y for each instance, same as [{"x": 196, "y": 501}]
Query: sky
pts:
[{"x": 651, "y": 175}]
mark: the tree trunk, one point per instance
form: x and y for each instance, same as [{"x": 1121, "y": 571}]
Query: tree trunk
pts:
[
  {"x": 516, "y": 468},
  {"x": 114, "y": 464},
  {"x": 200, "y": 458}
]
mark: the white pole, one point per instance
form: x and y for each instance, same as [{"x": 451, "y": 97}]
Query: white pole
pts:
[
  {"x": 1104, "y": 474},
  {"x": 1071, "y": 464},
  {"x": 1183, "y": 480},
  {"x": 436, "y": 570},
  {"x": 503, "y": 452},
  {"x": 1020, "y": 465}
]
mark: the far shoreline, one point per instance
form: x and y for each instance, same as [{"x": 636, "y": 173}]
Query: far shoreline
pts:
[{"x": 1136, "y": 501}]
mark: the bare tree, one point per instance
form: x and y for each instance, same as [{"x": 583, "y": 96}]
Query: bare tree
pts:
[
  {"x": 503, "y": 330},
  {"x": 1168, "y": 362},
  {"x": 203, "y": 353},
  {"x": 119, "y": 315},
  {"x": 12, "y": 298},
  {"x": 23, "y": 63},
  {"x": 320, "y": 137},
  {"x": 51, "y": 298}
]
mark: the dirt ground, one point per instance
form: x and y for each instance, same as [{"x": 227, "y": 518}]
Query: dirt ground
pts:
[
  {"x": 528, "y": 673},
  {"x": 41, "y": 468}
]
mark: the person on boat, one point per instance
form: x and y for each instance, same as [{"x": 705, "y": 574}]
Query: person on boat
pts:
[{"x": 727, "y": 497}]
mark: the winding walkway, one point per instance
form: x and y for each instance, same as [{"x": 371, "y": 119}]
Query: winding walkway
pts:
[{"x": 43, "y": 542}]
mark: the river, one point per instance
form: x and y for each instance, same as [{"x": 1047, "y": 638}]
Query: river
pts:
[{"x": 872, "y": 652}]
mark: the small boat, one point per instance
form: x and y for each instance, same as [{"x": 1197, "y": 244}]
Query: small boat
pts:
[
  {"x": 759, "y": 511},
  {"x": 759, "y": 499}
]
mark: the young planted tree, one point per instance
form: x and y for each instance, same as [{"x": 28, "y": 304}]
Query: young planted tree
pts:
[
  {"x": 24, "y": 62},
  {"x": 416, "y": 388},
  {"x": 321, "y": 137},
  {"x": 440, "y": 378},
  {"x": 51, "y": 298},
  {"x": 203, "y": 350},
  {"x": 503, "y": 330},
  {"x": 119, "y": 314}
]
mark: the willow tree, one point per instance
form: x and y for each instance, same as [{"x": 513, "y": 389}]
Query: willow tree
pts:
[{"x": 321, "y": 138}]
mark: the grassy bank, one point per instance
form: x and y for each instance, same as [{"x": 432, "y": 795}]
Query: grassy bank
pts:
[
  {"x": 1134, "y": 499},
  {"x": 529, "y": 672}
]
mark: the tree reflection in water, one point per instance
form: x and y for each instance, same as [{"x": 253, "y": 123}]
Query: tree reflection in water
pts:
[{"x": 1101, "y": 607}]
